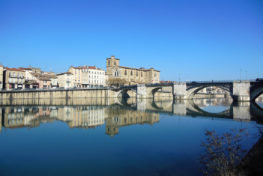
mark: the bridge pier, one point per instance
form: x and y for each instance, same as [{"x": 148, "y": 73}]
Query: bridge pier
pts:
[
  {"x": 241, "y": 91},
  {"x": 179, "y": 91},
  {"x": 141, "y": 91}
]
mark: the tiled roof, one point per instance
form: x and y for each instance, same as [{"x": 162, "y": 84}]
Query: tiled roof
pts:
[
  {"x": 87, "y": 67},
  {"x": 22, "y": 68},
  {"x": 112, "y": 57},
  {"x": 14, "y": 69},
  {"x": 92, "y": 67},
  {"x": 80, "y": 67},
  {"x": 65, "y": 73},
  {"x": 139, "y": 69},
  {"x": 42, "y": 77}
]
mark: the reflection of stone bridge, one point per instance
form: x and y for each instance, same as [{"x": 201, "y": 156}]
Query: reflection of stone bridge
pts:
[
  {"x": 238, "y": 90},
  {"x": 129, "y": 112},
  {"x": 194, "y": 108}
]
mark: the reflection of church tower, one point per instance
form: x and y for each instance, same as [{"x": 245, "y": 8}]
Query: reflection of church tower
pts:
[
  {"x": 112, "y": 127},
  {"x": 118, "y": 118},
  {"x": 112, "y": 130}
]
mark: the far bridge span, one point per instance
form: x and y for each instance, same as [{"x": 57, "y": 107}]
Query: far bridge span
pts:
[{"x": 238, "y": 90}]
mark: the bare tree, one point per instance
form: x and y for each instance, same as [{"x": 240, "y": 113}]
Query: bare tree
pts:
[
  {"x": 116, "y": 82},
  {"x": 222, "y": 152}
]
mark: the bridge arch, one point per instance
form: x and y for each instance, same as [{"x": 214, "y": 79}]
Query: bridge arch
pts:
[
  {"x": 154, "y": 90},
  {"x": 256, "y": 92},
  {"x": 193, "y": 90},
  {"x": 123, "y": 93}
]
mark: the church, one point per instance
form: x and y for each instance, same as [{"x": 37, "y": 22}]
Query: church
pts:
[{"x": 132, "y": 76}]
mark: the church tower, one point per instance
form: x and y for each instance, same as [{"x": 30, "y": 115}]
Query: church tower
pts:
[
  {"x": 112, "y": 65},
  {"x": 112, "y": 62}
]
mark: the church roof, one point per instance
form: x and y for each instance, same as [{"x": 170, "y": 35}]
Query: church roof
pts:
[{"x": 139, "y": 69}]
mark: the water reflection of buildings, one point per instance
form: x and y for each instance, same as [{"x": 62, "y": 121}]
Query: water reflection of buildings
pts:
[
  {"x": 82, "y": 116},
  {"x": 75, "y": 116},
  {"x": 78, "y": 116},
  {"x": 15, "y": 117},
  {"x": 118, "y": 117},
  {"x": 126, "y": 113}
]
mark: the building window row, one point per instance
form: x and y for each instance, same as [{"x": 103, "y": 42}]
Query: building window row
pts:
[{"x": 137, "y": 73}]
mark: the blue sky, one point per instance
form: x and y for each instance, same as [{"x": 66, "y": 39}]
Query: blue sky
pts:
[{"x": 186, "y": 39}]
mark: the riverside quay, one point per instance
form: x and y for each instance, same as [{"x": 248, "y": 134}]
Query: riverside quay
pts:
[{"x": 238, "y": 90}]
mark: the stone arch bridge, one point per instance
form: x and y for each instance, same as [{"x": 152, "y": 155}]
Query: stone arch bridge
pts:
[{"x": 238, "y": 90}]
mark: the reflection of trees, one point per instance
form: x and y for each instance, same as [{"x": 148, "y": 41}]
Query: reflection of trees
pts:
[{"x": 222, "y": 152}]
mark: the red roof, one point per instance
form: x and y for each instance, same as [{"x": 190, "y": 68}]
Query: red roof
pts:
[
  {"x": 22, "y": 68},
  {"x": 92, "y": 67},
  {"x": 86, "y": 67},
  {"x": 68, "y": 73},
  {"x": 80, "y": 67},
  {"x": 14, "y": 69}
]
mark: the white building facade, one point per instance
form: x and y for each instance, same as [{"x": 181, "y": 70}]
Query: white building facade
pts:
[
  {"x": 65, "y": 80},
  {"x": 96, "y": 77},
  {"x": 88, "y": 76}
]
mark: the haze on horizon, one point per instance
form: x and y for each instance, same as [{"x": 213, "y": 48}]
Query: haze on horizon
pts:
[{"x": 190, "y": 40}]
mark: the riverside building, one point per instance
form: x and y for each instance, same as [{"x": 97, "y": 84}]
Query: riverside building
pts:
[
  {"x": 87, "y": 76},
  {"x": 13, "y": 78},
  {"x": 65, "y": 80},
  {"x": 1, "y": 76},
  {"x": 132, "y": 76}
]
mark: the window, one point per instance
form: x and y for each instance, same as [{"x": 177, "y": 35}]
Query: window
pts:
[
  {"x": 114, "y": 62},
  {"x": 142, "y": 75},
  {"x": 108, "y": 62},
  {"x": 116, "y": 74},
  {"x": 136, "y": 73},
  {"x": 125, "y": 72},
  {"x": 131, "y": 73}
]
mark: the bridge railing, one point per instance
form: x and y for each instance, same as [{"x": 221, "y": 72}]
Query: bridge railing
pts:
[
  {"x": 221, "y": 81},
  {"x": 208, "y": 82}
]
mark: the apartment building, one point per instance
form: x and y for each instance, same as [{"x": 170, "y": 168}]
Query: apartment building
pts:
[
  {"x": 96, "y": 77},
  {"x": 1, "y": 76},
  {"x": 13, "y": 78},
  {"x": 65, "y": 80},
  {"x": 30, "y": 79},
  {"x": 77, "y": 75},
  {"x": 44, "y": 82},
  {"x": 35, "y": 78},
  {"x": 52, "y": 77},
  {"x": 54, "y": 81},
  {"x": 87, "y": 76}
]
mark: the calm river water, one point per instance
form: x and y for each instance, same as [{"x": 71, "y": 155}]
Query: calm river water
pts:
[{"x": 100, "y": 137}]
